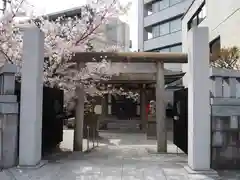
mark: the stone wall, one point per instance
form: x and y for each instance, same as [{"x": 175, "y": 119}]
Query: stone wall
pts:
[
  {"x": 225, "y": 118},
  {"x": 8, "y": 117}
]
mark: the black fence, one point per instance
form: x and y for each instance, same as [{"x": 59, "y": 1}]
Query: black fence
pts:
[
  {"x": 52, "y": 116},
  {"x": 180, "y": 123}
]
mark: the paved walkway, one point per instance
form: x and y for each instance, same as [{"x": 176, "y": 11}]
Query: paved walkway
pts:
[{"x": 119, "y": 157}]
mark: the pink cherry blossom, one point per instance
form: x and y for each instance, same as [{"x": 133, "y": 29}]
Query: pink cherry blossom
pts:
[{"x": 62, "y": 35}]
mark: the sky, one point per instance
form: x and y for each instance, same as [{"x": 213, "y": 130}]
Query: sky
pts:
[{"x": 49, "y": 6}]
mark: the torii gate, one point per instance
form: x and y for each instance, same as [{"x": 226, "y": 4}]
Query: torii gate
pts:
[
  {"x": 198, "y": 95},
  {"x": 131, "y": 57}
]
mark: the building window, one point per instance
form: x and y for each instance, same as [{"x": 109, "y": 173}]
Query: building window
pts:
[
  {"x": 164, "y": 29},
  {"x": 173, "y": 2},
  {"x": 215, "y": 48},
  {"x": 202, "y": 14},
  {"x": 155, "y": 7},
  {"x": 175, "y": 48},
  {"x": 198, "y": 17},
  {"x": 194, "y": 22},
  {"x": 148, "y": 9},
  {"x": 215, "y": 45},
  {"x": 163, "y": 4},
  {"x": 167, "y": 28},
  {"x": 165, "y": 50},
  {"x": 175, "y": 25},
  {"x": 155, "y": 31}
]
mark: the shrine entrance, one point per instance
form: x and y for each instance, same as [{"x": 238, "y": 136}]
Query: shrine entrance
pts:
[
  {"x": 124, "y": 108},
  {"x": 121, "y": 106}
]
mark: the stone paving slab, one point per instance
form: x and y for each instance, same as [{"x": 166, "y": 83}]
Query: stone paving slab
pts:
[
  {"x": 102, "y": 169},
  {"x": 114, "y": 162},
  {"x": 4, "y": 176}
]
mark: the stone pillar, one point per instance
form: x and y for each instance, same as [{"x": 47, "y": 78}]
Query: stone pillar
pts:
[
  {"x": 217, "y": 87},
  {"x": 160, "y": 110},
  {"x": 30, "y": 140},
  {"x": 8, "y": 117},
  {"x": 143, "y": 106},
  {"x": 198, "y": 100},
  {"x": 233, "y": 87},
  {"x": 79, "y": 118}
]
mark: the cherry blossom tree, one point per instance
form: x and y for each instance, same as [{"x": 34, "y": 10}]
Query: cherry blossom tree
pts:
[{"x": 62, "y": 35}]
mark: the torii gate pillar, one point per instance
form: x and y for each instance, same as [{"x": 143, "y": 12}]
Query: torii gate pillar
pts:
[{"x": 160, "y": 109}]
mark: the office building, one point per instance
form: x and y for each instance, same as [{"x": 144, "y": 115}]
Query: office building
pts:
[
  {"x": 160, "y": 26},
  {"x": 114, "y": 33}
]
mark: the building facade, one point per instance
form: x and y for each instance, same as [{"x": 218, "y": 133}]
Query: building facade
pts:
[
  {"x": 223, "y": 20},
  {"x": 113, "y": 33},
  {"x": 160, "y": 26}
]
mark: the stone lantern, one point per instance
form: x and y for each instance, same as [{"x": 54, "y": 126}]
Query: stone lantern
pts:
[{"x": 8, "y": 117}]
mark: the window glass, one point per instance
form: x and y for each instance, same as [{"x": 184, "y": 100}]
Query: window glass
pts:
[
  {"x": 189, "y": 25},
  {"x": 198, "y": 18},
  {"x": 155, "y": 7},
  {"x": 204, "y": 11},
  {"x": 155, "y": 31},
  {"x": 164, "y": 29},
  {"x": 148, "y": 9},
  {"x": 149, "y": 13},
  {"x": 194, "y": 22},
  {"x": 202, "y": 14},
  {"x": 150, "y": 35},
  {"x": 172, "y": 2},
  {"x": 165, "y": 50},
  {"x": 163, "y": 4},
  {"x": 175, "y": 25},
  {"x": 176, "y": 48}
]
